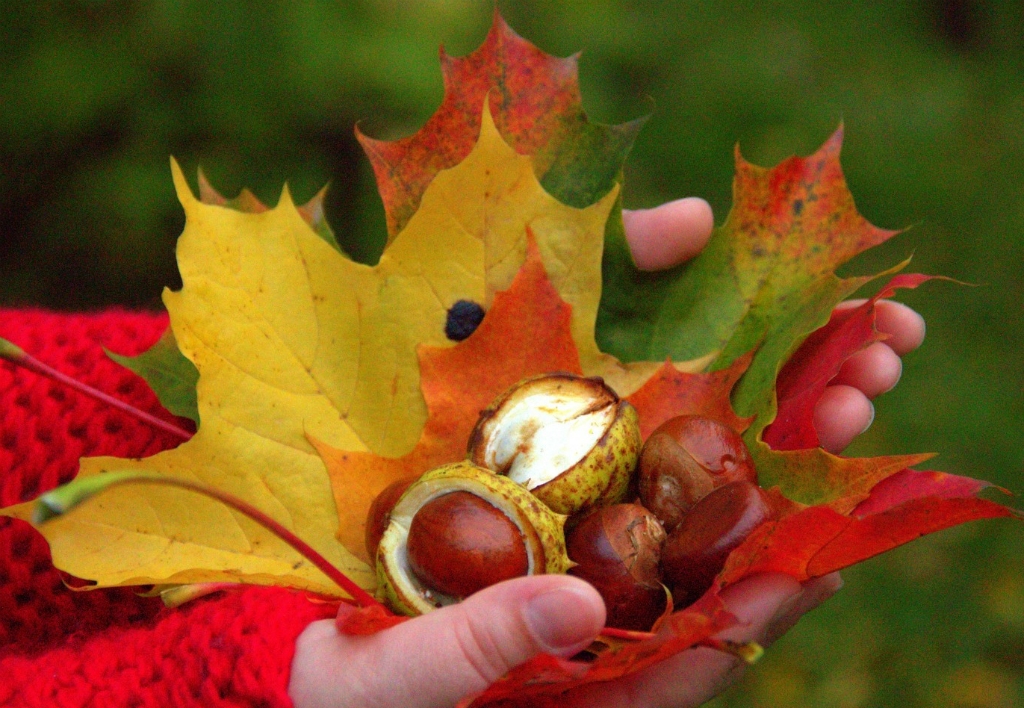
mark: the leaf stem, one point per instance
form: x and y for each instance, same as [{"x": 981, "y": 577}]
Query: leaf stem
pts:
[
  {"x": 747, "y": 652},
  {"x": 627, "y": 634},
  {"x": 18, "y": 356},
  {"x": 62, "y": 499}
]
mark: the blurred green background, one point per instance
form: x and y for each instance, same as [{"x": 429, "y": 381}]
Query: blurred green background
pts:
[{"x": 94, "y": 96}]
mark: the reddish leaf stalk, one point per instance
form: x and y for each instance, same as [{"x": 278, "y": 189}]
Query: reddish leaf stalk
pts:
[
  {"x": 626, "y": 634},
  {"x": 16, "y": 355},
  {"x": 748, "y": 652},
  {"x": 361, "y": 597}
]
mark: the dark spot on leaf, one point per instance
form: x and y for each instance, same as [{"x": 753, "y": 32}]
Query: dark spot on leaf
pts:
[
  {"x": 798, "y": 206},
  {"x": 463, "y": 319}
]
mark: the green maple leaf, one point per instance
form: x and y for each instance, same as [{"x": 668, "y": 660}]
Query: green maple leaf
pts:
[
  {"x": 171, "y": 376},
  {"x": 765, "y": 281}
]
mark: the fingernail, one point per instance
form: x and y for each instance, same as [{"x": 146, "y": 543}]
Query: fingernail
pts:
[
  {"x": 563, "y": 617},
  {"x": 871, "y": 419},
  {"x": 899, "y": 374}
]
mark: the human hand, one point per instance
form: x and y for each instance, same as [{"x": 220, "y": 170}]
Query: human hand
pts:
[
  {"x": 437, "y": 659},
  {"x": 767, "y": 606},
  {"x": 675, "y": 232}
]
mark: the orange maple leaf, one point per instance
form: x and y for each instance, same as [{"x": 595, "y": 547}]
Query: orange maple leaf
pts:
[{"x": 525, "y": 333}]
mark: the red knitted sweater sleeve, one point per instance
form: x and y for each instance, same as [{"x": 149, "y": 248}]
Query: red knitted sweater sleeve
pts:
[{"x": 60, "y": 647}]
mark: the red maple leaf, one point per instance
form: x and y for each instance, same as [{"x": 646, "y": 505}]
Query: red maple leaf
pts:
[{"x": 536, "y": 102}]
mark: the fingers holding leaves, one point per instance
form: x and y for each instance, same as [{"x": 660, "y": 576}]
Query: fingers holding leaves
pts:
[
  {"x": 877, "y": 369},
  {"x": 767, "y": 606},
  {"x": 842, "y": 413},
  {"x": 873, "y": 371},
  {"x": 675, "y": 232},
  {"x": 845, "y": 410},
  {"x": 904, "y": 327}
]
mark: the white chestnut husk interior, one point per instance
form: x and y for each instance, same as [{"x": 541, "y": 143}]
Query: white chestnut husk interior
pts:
[{"x": 567, "y": 438}]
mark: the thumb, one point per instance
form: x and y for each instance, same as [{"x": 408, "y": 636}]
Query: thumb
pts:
[{"x": 436, "y": 659}]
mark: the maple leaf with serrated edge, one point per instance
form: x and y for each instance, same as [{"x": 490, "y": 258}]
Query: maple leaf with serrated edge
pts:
[
  {"x": 526, "y": 332},
  {"x": 167, "y": 371},
  {"x": 536, "y": 104},
  {"x": 537, "y": 107},
  {"x": 295, "y": 342},
  {"x": 766, "y": 279},
  {"x": 312, "y": 212},
  {"x": 296, "y": 345}
]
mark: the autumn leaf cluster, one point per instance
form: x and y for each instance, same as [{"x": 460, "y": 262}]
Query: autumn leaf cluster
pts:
[{"x": 322, "y": 380}]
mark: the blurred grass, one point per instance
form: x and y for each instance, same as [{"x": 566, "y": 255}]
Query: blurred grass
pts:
[{"x": 95, "y": 95}]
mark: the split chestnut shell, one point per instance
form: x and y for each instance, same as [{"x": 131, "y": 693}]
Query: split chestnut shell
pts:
[
  {"x": 542, "y": 532},
  {"x": 568, "y": 439}
]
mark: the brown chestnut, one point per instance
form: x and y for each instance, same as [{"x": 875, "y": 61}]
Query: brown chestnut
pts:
[
  {"x": 459, "y": 543},
  {"x": 379, "y": 515},
  {"x": 696, "y": 550},
  {"x": 617, "y": 549},
  {"x": 684, "y": 459}
]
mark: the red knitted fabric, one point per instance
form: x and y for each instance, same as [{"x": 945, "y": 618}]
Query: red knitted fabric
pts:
[{"x": 110, "y": 647}]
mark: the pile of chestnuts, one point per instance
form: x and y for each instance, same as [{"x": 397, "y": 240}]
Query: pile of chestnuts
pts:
[{"x": 556, "y": 480}]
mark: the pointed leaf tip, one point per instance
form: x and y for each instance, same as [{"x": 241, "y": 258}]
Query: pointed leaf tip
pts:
[
  {"x": 538, "y": 109},
  {"x": 285, "y": 200},
  {"x": 207, "y": 193},
  {"x": 181, "y": 186}
]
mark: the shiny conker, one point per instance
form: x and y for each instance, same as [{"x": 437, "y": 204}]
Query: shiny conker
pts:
[
  {"x": 459, "y": 543},
  {"x": 617, "y": 549},
  {"x": 684, "y": 459},
  {"x": 696, "y": 549},
  {"x": 379, "y": 515}
]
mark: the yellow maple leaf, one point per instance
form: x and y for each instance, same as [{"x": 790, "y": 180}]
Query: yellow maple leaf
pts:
[{"x": 293, "y": 341}]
